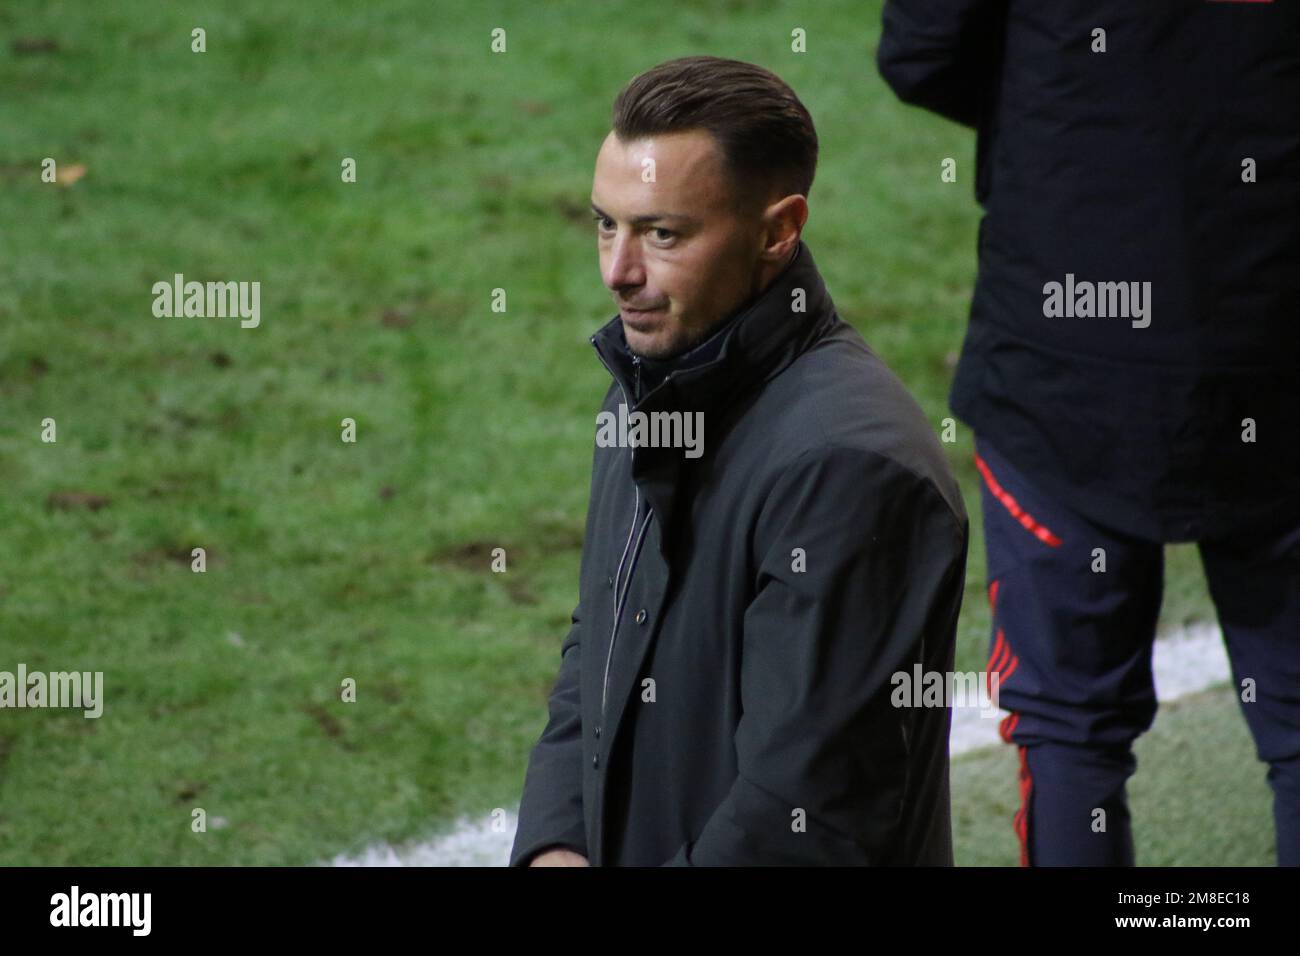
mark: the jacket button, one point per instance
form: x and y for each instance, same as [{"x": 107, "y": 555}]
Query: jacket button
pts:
[
  {"x": 609, "y": 581},
  {"x": 595, "y": 760},
  {"x": 597, "y": 732},
  {"x": 641, "y": 616}
]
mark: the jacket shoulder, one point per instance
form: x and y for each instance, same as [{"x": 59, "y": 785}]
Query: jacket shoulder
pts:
[{"x": 839, "y": 398}]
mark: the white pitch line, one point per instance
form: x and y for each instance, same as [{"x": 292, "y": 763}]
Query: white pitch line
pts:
[
  {"x": 470, "y": 843},
  {"x": 1186, "y": 661}
]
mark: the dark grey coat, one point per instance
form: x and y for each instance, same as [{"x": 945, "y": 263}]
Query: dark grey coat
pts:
[{"x": 731, "y": 708}]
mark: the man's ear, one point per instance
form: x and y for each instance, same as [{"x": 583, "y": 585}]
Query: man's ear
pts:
[{"x": 783, "y": 223}]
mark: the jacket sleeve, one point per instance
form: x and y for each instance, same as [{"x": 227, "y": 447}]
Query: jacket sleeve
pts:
[
  {"x": 942, "y": 55},
  {"x": 822, "y": 755},
  {"x": 550, "y": 810}
]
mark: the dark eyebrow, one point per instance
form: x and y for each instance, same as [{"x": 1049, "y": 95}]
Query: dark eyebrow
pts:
[{"x": 643, "y": 220}]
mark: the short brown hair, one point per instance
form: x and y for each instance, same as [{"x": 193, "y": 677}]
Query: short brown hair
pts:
[{"x": 765, "y": 133}]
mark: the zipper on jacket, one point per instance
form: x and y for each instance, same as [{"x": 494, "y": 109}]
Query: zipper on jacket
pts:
[
  {"x": 636, "y": 508},
  {"x": 619, "y": 604}
]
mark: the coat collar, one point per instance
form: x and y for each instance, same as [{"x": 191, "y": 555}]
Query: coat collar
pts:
[
  {"x": 750, "y": 348},
  {"x": 766, "y": 335}
]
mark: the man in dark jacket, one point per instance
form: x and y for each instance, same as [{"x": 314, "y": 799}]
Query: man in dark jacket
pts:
[
  {"x": 1130, "y": 367},
  {"x": 724, "y": 695}
]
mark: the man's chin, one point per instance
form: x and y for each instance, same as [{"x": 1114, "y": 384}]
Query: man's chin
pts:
[{"x": 648, "y": 345}]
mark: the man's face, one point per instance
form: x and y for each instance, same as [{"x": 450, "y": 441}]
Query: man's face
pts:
[{"x": 675, "y": 252}]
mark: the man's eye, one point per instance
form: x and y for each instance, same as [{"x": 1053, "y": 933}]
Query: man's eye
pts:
[
  {"x": 667, "y": 234},
  {"x": 600, "y": 221}
]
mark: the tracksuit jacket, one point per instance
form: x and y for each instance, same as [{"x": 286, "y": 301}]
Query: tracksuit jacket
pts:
[{"x": 1128, "y": 142}]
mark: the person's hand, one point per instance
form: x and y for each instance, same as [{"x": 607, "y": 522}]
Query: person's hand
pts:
[{"x": 559, "y": 857}]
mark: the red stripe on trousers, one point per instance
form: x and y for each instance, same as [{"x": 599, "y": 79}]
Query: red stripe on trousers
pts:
[
  {"x": 1002, "y": 649},
  {"x": 1009, "y": 502},
  {"x": 1002, "y": 678},
  {"x": 999, "y": 646},
  {"x": 1022, "y": 815}
]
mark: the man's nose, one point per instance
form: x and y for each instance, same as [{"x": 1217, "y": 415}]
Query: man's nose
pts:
[{"x": 623, "y": 267}]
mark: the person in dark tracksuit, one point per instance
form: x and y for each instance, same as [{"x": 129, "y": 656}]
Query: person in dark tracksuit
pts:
[
  {"x": 1131, "y": 368},
  {"x": 726, "y": 691}
]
